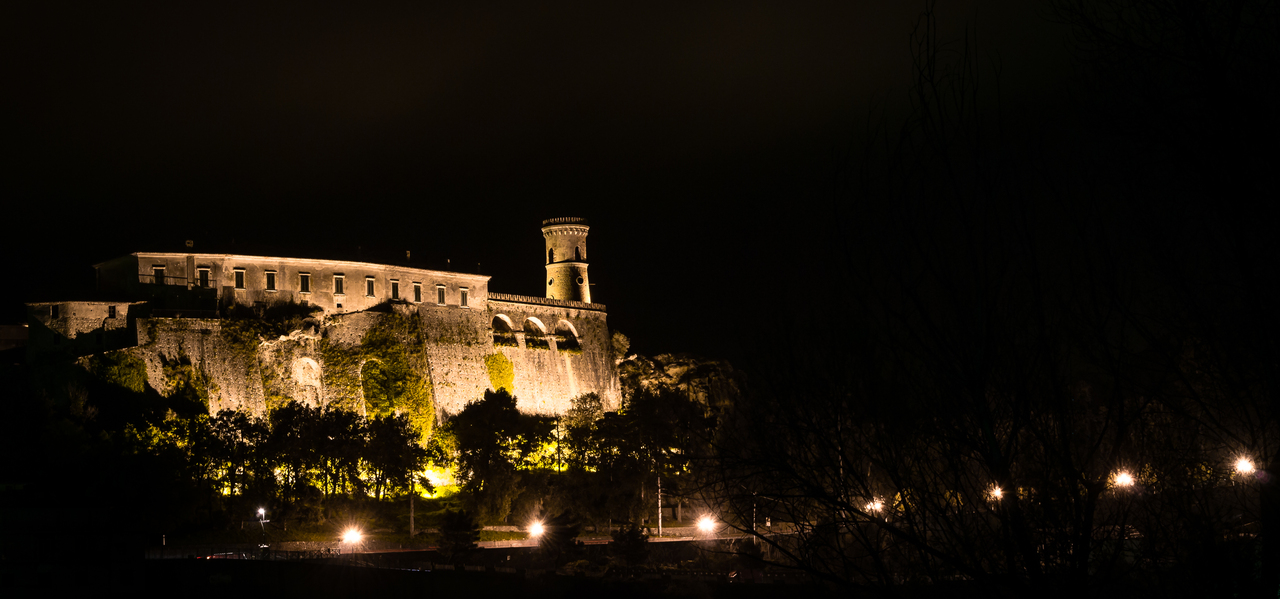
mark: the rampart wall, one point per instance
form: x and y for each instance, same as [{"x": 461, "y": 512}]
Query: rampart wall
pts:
[{"x": 451, "y": 352}]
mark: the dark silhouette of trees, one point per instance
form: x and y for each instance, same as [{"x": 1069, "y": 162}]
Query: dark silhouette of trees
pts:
[
  {"x": 494, "y": 440},
  {"x": 1046, "y": 378},
  {"x": 630, "y": 545},
  {"x": 459, "y": 533}
]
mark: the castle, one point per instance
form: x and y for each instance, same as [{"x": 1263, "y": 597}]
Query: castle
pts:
[{"x": 363, "y": 336}]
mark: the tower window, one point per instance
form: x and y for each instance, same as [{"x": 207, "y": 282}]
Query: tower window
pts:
[
  {"x": 239, "y": 278},
  {"x": 157, "y": 275},
  {"x": 111, "y": 311},
  {"x": 368, "y": 286},
  {"x": 202, "y": 277},
  {"x": 463, "y": 301},
  {"x": 337, "y": 284},
  {"x": 271, "y": 280},
  {"x": 440, "y": 294},
  {"x": 395, "y": 289},
  {"x": 53, "y": 311},
  {"x": 551, "y": 255},
  {"x": 304, "y": 282},
  {"x": 417, "y": 292},
  {"x": 577, "y": 253}
]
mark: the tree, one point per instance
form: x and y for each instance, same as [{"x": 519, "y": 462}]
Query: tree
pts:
[
  {"x": 393, "y": 453},
  {"x": 1022, "y": 398},
  {"x": 459, "y": 533},
  {"x": 630, "y": 545},
  {"x": 494, "y": 440}
]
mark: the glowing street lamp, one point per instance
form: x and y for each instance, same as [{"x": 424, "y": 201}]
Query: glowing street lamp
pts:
[
  {"x": 536, "y": 529},
  {"x": 706, "y": 525},
  {"x": 1244, "y": 466},
  {"x": 875, "y": 505},
  {"x": 1123, "y": 479},
  {"x": 997, "y": 493},
  {"x": 352, "y": 536}
]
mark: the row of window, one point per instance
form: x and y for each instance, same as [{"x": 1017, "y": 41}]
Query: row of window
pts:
[{"x": 304, "y": 284}]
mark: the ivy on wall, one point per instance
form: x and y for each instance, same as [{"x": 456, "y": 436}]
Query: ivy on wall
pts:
[
  {"x": 502, "y": 374},
  {"x": 387, "y": 370},
  {"x": 186, "y": 386},
  {"x": 121, "y": 368}
]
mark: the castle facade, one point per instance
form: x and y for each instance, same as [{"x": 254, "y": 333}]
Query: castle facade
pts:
[{"x": 456, "y": 337}]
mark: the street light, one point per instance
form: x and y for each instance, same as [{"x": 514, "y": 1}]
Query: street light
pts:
[
  {"x": 1244, "y": 466},
  {"x": 1123, "y": 479},
  {"x": 706, "y": 525},
  {"x": 536, "y": 529},
  {"x": 997, "y": 493},
  {"x": 352, "y": 536}
]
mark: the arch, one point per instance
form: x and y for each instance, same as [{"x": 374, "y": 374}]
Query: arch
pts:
[
  {"x": 567, "y": 337},
  {"x": 504, "y": 333},
  {"x": 577, "y": 253},
  {"x": 535, "y": 334},
  {"x": 533, "y": 326},
  {"x": 551, "y": 255},
  {"x": 501, "y": 322}
]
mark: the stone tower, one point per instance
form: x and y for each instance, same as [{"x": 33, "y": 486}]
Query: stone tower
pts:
[{"x": 567, "y": 259}]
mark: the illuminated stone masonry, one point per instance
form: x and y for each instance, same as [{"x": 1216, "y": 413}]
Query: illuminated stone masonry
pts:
[{"x": 261, "y": 330}]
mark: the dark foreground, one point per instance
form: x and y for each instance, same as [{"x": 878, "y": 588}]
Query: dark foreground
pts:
[{"x": 250, "y": 578}]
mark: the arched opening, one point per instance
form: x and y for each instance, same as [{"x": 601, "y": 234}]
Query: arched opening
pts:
[
  {"x": 577, "y": 253},
  {"x": 551, "y": 255},
  {"x": 504, "y": 334},
  {"x": 535, "y": 334},
  {"x": 567, "y": 338}
]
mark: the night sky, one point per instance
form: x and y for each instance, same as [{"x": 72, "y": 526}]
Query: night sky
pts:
[{"x": 702, "y": 140}]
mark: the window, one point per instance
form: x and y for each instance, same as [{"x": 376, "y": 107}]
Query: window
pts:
[
  {"x": 337, "y": 285},
  {"x": 111, "y": 311},
  {"x": 551, "y": 255},
  {"x": 417, "y": 292},
  {"x": 440, "y": 294},
  {"x": 368, "y": 286},
  {"x": 157, "y": 275},
  {"x": 202, "y": 277},
  {"x": 463, "y": 301},
  {"x": 271, "y": 280},
  {"x": 53, "y": 311},
  {"x": 395, "y": 289},
  {"x": 304, "y": 282},
  {"x": 577, "y": 253},
  {"x": 239, "y": 278}
]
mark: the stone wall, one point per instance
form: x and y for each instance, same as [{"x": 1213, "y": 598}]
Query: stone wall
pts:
[{"x": 321, "y": 363}]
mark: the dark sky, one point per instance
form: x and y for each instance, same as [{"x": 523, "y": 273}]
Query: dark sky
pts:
[{"x": 700, "y": 139}]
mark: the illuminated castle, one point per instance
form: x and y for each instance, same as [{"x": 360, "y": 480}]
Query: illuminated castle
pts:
[{"x": 167, "y": 307}]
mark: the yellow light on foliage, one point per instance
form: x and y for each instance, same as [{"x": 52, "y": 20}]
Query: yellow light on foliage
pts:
[
  {"x": 706, "y": 524},
  {"x": 352, "y": 536},
  {"x": 1244, "y": 466},
  {"x": 536, "y": 529}
]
